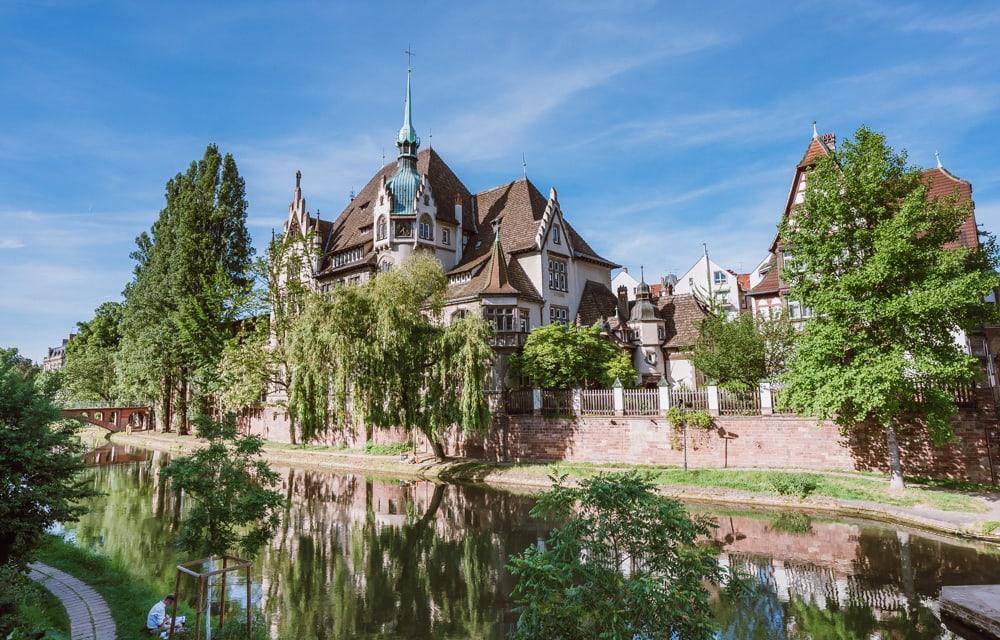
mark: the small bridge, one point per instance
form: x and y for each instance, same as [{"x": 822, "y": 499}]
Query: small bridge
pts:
[{"x": 113, "y": 418}]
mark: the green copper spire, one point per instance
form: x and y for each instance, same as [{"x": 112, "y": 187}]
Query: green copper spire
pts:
[
  {"x": 405, "y": 182},
  {"x": 407, "y": 134}
]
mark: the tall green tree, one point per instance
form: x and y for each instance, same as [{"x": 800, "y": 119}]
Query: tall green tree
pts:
[
  {"x": 867, "y": 257},
  {"x": 192, "y": 283},
  {"x": 380, "y": 353},
  {"x": 90, "y": 371},
  {"x": 624, "y": 563},
  {"x": 563, "y": 356},
  {"x": 40, "y": 460},
  {"x": 741, "y": 352},
  {"x": 235, "y": 506}
]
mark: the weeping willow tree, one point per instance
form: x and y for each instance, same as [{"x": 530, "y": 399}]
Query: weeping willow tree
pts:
[{"x": 378, "y": 352}]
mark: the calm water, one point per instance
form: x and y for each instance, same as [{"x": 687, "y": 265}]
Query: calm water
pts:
[{"x": 361, "y": 557}]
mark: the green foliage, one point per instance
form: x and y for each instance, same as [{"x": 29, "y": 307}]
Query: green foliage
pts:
[
  {"x": 392, "y": 449},
  {"x": 799, "y": 485},
  {"x": 29, "y": 610},
  {"x": 991, "y": 526},
  {"x": 235, "y": 628},
  {"x": 40, "y": 460},
  {"x": 564, "y": 356},
  {"x": 576, "y": 588},
  {"x": 868, "y": 260},
  {"x": 235, "y": 505},
  {"x": 382, "y": 347},
  {"x": 678, "y": 417},
  {"x": 192, "y": 282},
  {"x": 739, "y": 353},
  {"x": 89, "y": 373}
]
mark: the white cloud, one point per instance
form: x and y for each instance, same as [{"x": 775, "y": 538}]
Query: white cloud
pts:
[{"x": 11, "y": 243}]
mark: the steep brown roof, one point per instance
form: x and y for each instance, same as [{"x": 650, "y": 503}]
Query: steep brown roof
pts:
[
  {"x": 497, "y": 280},
  {"x": 682, "y": 315},
  {"x": 941, "y": 183},
  {"x": 771, "y": 283},
  {"x": 345, "y": 232},
  {"x": 597, "y": 302}
]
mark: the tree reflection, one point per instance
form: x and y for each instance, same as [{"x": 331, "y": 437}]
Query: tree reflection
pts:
[{"x": 358, "y": 557}]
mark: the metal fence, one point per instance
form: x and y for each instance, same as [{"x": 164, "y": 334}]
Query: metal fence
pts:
[
  {"x": 519, "y": 402},
  {"x": 597, "y": 402},
  {"x": 642, "y": 402},
  {"x": 557, "y": 402},
  {"x": 739, "y": 403},
  {"x": 694, "y": 399}
]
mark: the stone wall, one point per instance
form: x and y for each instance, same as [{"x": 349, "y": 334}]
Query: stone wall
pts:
[
  {"x": 272, "y": 424},
  {"x": 741, "y": 442}
]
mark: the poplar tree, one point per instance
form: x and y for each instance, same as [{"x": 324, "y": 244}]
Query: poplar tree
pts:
[
  {"x": 866, "y": 253},
  {"x": 191, "y": 283}
]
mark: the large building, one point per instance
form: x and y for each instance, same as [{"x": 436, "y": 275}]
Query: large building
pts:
[
  {"x": 55, "y": 359},
  {"x": 509, "y": 252}
]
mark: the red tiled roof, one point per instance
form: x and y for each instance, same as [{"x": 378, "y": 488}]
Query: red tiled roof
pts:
[
  {"x": 941, "y": 183},
  {"x": 682, "y": 314},
  {"x": 743, "y": 280},
  {"x": 771, "y": 283}
]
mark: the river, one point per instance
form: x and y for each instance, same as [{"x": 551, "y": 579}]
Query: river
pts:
[{"x": 362, "y": 557}]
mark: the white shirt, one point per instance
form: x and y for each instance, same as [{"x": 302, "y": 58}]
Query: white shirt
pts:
[{"x": 156, "y": 615}]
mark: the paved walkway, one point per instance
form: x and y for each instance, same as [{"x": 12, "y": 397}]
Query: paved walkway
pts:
[{"x": 89, "y": 616}]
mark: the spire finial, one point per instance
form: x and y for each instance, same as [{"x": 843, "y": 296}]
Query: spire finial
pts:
[
  {"x": 937, "y": 156},
  {"x": 496, "y": 229},
  {"x": 430, "y": 138},
  {"x": 409, "y": 54},
  {"x": 298, "y": 179},
  {"x": 524, "y": 166},
  {"x": 407, "y": 140},
  {"x": 642, "y": 273},
  {"x": 815, "y": 133}
]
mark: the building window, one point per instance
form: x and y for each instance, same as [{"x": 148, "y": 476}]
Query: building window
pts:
[
  {"x": 558, "y": 314},
  {"x": 385, "y": 265},
  {"x": 465, "y": 240},
  {"x": 446, "y": 236},
  {"x": 354, "y": 280},
  {"x": 459, "y": 315},
  {"x": 797, "y": 312},
  {"x": 380, "y": 234},
  {"x": 426, "y": 228},
  {"x": 427, "y": 200},
  {"x": 719, "y": 278},
  {"x": 502, "y": 318},
  {"x": 555, "y": 234},
  {"x": 524, "y": 320},
  {"x": 557, "y": 275},
  {"x": 661, "y": 333}
]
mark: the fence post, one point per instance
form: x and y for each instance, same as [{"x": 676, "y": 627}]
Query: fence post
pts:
[
  {"x": 713, "y": 400},
  {"x": 766, "y": 400},
  {"x": 577, "y": 402},
  {"x": 618, "y": 393},
  {"x": 664, "y": 391},
  {"x": 536, "y": 401}
]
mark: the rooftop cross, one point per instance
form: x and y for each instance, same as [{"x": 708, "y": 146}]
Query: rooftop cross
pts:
[
  {"x": 409, "y": 54},
  {"x": 937, "y": 156}
]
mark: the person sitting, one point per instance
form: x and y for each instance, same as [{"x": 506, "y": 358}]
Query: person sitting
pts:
[{"x": 158, "y": 621}]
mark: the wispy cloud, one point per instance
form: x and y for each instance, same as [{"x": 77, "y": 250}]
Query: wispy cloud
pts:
[{"x": 11, "y": 243}]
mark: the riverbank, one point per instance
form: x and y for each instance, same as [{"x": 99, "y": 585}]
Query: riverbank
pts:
[
  {"x": 128, "y": 596},
  {"x": 968, "y": 511}
]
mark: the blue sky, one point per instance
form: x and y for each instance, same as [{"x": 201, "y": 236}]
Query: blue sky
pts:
[{"x": 661, "y": 125}]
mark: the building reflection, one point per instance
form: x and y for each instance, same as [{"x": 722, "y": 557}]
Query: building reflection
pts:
[{"x": 384, "y": 558}]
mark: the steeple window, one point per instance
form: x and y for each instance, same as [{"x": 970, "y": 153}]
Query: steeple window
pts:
[{"x": 381, "y": 233}]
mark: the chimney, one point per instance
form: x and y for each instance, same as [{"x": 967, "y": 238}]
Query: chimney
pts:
[{"x": 623, "y": 303}]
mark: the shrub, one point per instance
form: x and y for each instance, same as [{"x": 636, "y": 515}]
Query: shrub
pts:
[
  {"x": 391, "y": 449},
  {"x": 793, "y": 484}
]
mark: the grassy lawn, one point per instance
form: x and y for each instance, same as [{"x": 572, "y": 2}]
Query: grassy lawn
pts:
[
  {"x": 39, "y": 613},
  {"x": 128, "y": 596},
  {"x": 793, "y": 484}
]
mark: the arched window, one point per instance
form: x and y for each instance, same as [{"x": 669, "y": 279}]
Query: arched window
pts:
[
  {"x": 385, "y": 265},
  {"x": 381, "y": 229},
  {"x": 555, "y": 234},
  {"x": 426, "y": 228}
]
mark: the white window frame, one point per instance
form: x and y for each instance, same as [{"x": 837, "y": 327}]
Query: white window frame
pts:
[
  {"x": 716, "y": 280},
  {"x": 558, "y": 275},
  {"x": 446, "y": 236},
  {"x": 558, "y": 313}
]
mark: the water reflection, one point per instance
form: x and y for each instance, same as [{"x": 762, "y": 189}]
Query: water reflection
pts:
[{"x": 382, "y": 558}]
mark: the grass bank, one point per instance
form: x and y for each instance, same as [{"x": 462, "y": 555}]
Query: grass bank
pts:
[
  {"x": 128, "y": 596},
  {"x": 794, "y": 484}
]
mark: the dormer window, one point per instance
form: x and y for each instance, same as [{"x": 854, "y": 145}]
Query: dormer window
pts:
[{"x": 555, "y": 234}]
